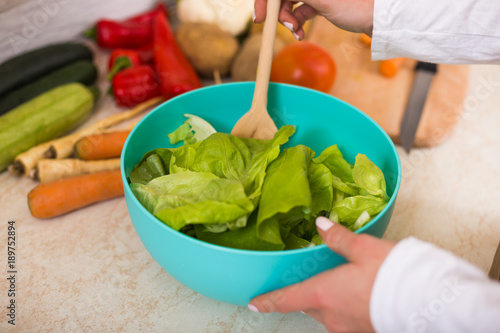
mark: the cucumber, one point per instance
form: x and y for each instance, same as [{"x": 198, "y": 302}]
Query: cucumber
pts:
[
  {"x": 82, "y": 71},
  {"x": 32, "y": 65},
  {"x": 43, "y": 118}
]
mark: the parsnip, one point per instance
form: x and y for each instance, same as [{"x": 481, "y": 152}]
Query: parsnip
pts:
[{"x": 48, "y": 170}]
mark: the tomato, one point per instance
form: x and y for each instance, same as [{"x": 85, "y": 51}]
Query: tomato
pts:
[{"x": 305, "y": 64}]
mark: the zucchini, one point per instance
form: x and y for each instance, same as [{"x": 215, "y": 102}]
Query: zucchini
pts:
[
  {"x": 32, "y": 65},
  {"x": 82, "y": 71},
  {"x": 43, "y": 118}
]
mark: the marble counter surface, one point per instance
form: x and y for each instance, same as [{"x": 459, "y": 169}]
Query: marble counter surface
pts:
[{"x": 87, "y": 271}]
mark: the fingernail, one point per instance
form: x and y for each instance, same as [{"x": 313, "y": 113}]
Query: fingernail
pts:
[
  {"x": 253, "y": 16},
  {"x": 296, "y": 36},
  {"x": 253, "y": 308},
  {"x": 288, "y": 25},
  {"x": 323, "y": 223}
]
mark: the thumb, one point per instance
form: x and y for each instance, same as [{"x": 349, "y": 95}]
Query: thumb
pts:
[{"x": 342, "y": 241}]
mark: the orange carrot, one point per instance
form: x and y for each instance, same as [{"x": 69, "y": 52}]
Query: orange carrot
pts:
[
  {"x": 65, "y": 195},
  {"x": 390, "y": 67},
  {"x": 365, "y": 39},
  {"x": 101, "y": 146}
]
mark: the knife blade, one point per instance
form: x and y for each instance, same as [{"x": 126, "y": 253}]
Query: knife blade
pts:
[
  {"x": 495, "y": 266},
  {"x": 424, "y": 73}
]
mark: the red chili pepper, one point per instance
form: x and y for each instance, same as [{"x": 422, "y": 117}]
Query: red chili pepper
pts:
[
  {"x": 149, "y": 16},
  {"x": 131, "y": 33},
  {"x": 176, "y": 74},
  {"x": 135, "y": 85},
  {"x": 145, "y": 52},
  {"x": 121, "y": 59},
  {"x": 112, "y": 34}
]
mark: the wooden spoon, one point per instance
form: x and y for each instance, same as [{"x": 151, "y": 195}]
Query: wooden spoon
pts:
[{"x": 257, "y": 123}]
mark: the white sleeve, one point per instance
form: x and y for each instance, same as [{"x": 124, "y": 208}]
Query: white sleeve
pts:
[
  {"x": 439, "y": 31},
  {"x": 422, "y": 288}
]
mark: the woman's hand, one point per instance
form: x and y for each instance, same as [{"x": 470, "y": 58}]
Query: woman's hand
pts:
[
  {"x": 338, "y": 298},
  {"x": 351, "y": 15}
]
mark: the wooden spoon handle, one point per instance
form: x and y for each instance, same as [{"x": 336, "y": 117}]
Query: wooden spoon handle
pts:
[{"x": 259, "y": 101}]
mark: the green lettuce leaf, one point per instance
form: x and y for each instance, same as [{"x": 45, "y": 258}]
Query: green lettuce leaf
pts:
[
  {"x": 348, "y": 188},
  {"x": 240, "y": 159},
  {"x": 332, "y": 158},
  {"x": 286, "y": 195},
  {"x": 350, "y": 209},
  {"x": 306, "y": 229},
  {"x": 317, "y": 240},
  {"x": 320, "y": 184},
  {"x": 363, "y": 219},
  {"x": 338, "y": 196},
  {"x": 369, "y": 177},
  {"x": 183, "y": 158},
  {"x": 193, "y": 130},
  {"x": 194, "y": 198},
  {"x": 295, "y": 242},
  {"x": 153, "y": 164},
  {"x": 245, "y": 238}
]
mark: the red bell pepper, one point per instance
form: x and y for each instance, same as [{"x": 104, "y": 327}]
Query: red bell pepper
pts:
[
  {"x": 134, "y": 32},
  {"x": 175, "y": 72},
  {"x": 135, "y": 85},
  {"x": 121, "y": 59}
]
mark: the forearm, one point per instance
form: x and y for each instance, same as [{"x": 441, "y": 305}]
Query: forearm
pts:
[
  {"x": 437, "y": 31},
  {"x": 421, "y": 288}
]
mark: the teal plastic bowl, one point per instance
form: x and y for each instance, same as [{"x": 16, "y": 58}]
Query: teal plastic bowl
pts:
[{"x": 232, "y": 275}]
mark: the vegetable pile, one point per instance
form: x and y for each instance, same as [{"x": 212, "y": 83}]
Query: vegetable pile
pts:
[
  {"x": 249, "y": 194},
  {"x": 70, "y": 182},
  {"x": 146, "y": 60},
  {"x": 50, "y": 91},
  {"x": 45, "y": 93}
]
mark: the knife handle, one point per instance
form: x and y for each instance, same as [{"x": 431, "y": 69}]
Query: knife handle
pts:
[{"x": 426, "y": 66}]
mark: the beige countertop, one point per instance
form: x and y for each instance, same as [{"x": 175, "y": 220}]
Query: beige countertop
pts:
[{"x": 87, "y": 271}]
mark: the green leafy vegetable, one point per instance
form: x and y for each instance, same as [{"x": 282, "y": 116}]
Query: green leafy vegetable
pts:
[
  {"x": 348, "y": 188},
  {"x": 361, "y": 221},
  {"x": 295, "y": 242},
  {"x": 153, "y": 164},
  {"x": 193, "y": 130},
  {"x": 244, "y": 238},
  {"x": 189, "y": 197},
  {"x": 286, "y": 196},
  {"x": 317, "y": 240},
  {"x": 240, "y": 159},
  {"x": 250, "y": 194},
  {"x": 183, "y": 158},
  {"x": 332, "y": 158},
  {"x": 349, "y": 209},
  {"x": 369, "y": 177}
]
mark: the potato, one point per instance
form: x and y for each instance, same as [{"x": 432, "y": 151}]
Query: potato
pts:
[
  {"x": 207, "y": 47},
  {"x": 244, "y": 67}
]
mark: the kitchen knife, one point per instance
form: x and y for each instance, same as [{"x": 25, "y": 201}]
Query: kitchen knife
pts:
[{"x": 424, "y": 73}]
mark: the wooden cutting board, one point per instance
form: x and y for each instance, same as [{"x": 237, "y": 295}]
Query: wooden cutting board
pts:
[{"x": 359, "y": 83}]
